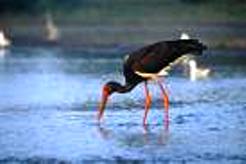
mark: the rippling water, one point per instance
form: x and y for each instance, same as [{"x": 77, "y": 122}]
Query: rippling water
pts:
[{"x": 49, "y": 99}]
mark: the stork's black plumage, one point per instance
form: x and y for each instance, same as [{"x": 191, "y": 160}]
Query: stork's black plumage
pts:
[{"x": 150, "y": 59}]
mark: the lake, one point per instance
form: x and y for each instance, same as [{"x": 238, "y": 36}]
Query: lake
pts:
[{"x": 49, "y": 99}]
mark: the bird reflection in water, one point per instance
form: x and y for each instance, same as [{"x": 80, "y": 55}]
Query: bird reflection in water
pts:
[
  {"x": 161, "y": 137},
  {"x": 136, "y": 138},
  {"x": 3, "y": 53},
  {"x": 103, "y": 132}
]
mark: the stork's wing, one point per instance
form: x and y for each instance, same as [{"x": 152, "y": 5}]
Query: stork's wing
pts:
[{"x": 151, "y": 59}]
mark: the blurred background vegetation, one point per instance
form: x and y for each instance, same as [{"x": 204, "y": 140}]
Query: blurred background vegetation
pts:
[
  {"x": 220, "y": 22},
  {"x": 125, "y": 9}
]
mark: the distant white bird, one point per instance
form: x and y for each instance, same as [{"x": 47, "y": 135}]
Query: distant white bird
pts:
[
  {"x": 197, "y": 73},
  {"x": 52, "y": 30},
  {"x": 194, "y": 72},
  {"x": 4, "y": 42},
  {"x": 184, "y": 36}
]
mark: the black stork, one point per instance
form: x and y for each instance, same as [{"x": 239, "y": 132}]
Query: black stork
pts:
[{"x": 150, "y": 63}]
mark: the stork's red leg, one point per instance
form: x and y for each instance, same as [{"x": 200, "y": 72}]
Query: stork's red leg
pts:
[
  {"x": 147, "y": 103},
  {"x": 166, "y": 103}
]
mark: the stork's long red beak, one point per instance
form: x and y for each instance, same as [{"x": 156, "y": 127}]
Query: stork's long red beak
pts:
[{"x": 105, "y": 94}]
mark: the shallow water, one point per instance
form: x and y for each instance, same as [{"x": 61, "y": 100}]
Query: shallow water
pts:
[{"x": 49, "y": 99}]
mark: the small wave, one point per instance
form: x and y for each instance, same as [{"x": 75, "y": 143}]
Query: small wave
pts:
[
  {"x": 220, "y": 157},
  {"x": 96, "y": 159},
  {"x": 42, "y": 160}
]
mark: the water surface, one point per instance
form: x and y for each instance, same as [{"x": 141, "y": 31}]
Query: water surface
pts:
[{"x": 49, "y": 99}]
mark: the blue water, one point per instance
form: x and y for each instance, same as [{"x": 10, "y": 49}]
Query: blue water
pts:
[{"x": 49, "y": 99}]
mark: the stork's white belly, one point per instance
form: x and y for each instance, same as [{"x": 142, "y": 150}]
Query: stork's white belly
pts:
[{"x": 162, "y": 72}]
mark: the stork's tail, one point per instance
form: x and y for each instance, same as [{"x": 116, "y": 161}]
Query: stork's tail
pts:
[{"x": 192, "y": 46}]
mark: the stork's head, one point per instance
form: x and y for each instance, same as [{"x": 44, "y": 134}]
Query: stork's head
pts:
[{"x": 107, "y": 90}]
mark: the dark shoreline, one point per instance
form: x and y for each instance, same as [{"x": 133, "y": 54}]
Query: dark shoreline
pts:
[{"x": 227, "y": 35}]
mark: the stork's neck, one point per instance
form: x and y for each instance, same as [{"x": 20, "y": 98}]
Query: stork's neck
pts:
[{"x": 124, "y": 88}]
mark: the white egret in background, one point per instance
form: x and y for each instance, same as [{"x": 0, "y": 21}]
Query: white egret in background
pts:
[
  {"x": 52, "y": 30},
  {"x": 4, "y": 42},
  {"x": 197, "y": 73},
  {"x": 194, "y": 72}
]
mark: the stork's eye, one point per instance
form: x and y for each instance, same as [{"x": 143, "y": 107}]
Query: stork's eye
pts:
[{"x": 109, "y": 89}]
